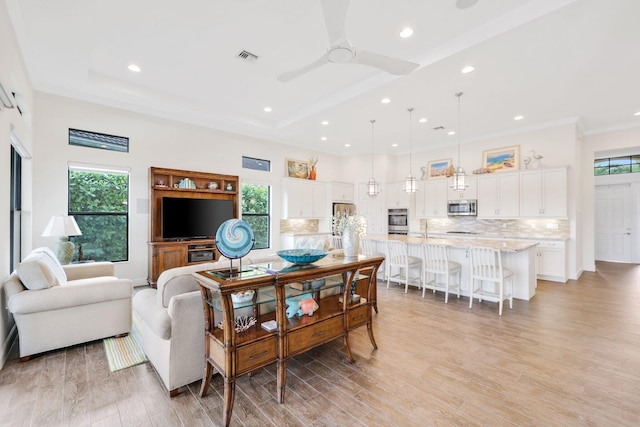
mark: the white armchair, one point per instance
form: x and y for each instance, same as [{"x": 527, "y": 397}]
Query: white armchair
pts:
[{"x": 57, "y": 306}]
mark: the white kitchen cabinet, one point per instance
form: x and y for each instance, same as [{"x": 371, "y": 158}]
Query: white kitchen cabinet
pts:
[
  {"x": 303, "y": 198},
  {"x": 396, "y": 197},
  {"x": 342, "y": 192},
  {"x": 551, "y": 261},
  {"x": 499, "y": 195},
  {"x": 435, "y": 198},
  {"x": 543, "y": 193},
  {"x": 470, "y": 193}
]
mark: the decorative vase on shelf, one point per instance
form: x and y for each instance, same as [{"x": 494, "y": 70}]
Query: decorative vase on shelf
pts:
[
  {"x": 350, "y": 242},
  {"x": 312, "y": 173}
]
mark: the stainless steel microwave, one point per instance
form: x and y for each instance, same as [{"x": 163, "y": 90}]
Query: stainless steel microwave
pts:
[{"x": 462, "y": 207}]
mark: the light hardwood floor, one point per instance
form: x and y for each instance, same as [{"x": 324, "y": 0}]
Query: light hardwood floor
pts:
[{"x": 568, "y": 357}]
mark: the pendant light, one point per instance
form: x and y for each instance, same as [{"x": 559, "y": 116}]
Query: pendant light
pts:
[
  {"x": 372, "y": 188},
  {"x": 458, "y": 175},
  {"x": 410, "y": 181}
]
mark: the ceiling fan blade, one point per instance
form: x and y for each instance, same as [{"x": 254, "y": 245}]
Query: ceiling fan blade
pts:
[
  {"x": 465, "y": 4},
  {"x": 393, "y": 66},
  {"x": 290, "y": 75},
  {"x": 335, "y": 12}
]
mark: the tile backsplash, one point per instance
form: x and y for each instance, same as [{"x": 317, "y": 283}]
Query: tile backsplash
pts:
[
  {"x": 531, "y": 228},
  {"x": 299, "y": 226}
]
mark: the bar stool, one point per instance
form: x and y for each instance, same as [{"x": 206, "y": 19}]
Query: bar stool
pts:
[
  {"x": 436, "y": 263},
  {"x": 486, "y": 266},
  {"x": 399, "y": 257}
]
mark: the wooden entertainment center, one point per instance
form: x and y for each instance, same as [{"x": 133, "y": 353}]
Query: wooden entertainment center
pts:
[{"x": 165, "y": 254}]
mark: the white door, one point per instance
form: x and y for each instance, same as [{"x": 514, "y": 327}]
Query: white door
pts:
[{"x": 613, "y": 223}]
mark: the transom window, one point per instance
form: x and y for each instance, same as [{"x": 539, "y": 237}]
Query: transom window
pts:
[{"x": 617, "y": 165}]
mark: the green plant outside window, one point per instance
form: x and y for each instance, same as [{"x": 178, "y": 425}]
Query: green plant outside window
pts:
[
  {"x": 255, "y": 212},
  {"x": 99, "y": 202}
]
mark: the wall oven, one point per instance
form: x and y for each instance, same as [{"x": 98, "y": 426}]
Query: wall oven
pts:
[
  {"x": 462, "y": 207},
  {"x": 398, "y": 222}
]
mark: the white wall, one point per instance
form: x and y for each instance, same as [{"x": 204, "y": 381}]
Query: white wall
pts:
[
  {"x": 152, "y": 142},
  {"x": 14, "y": 79}
]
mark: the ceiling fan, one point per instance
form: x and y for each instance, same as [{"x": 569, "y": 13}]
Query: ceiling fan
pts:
[
  {"x": 341, "y": 51},
  {"x": 464, "y": 4}
]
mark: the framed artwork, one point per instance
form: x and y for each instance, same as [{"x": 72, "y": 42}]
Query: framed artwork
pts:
[
  {"x": 297, "y": 168},
  {"x": 501, "y": 159},
  {"x": 438, "y": 168}
]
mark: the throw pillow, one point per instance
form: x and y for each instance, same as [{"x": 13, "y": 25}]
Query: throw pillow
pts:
[{"x": 40, "y": 270}]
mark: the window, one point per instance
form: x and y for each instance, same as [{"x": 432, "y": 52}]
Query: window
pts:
[
  {"x": 85, "y": 138},
  {"x": 256, "y": 202},
  {"x": 617, "y": 165},
  {"x": 256, "y": 164},
  {"x": 98, "y": 199},
  {"x": 15, "y": 207}
]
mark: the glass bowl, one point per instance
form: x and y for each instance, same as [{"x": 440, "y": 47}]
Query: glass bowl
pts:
[{"x": 302, "y": 256}]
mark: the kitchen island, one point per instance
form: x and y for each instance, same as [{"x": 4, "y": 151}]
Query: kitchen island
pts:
[{"x": 517, "y": 256}]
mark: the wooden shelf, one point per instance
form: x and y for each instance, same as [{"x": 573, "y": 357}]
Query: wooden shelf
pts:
[{"x": 166, "y": 254}]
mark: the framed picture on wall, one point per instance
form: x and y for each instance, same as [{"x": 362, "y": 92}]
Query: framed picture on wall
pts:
[
  {"x": 438, "y": 168},
  {"x": 501, "y": 159},
  {"x": 297, "y": 168}
]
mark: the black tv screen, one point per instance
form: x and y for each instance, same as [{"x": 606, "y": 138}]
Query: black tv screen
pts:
[{"x": 193, "y": 218}]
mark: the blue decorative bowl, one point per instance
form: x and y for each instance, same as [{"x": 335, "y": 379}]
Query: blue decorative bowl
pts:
[{"x": 302, "y": 256}]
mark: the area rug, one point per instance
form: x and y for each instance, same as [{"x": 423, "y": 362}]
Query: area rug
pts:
[{"x": 126, "y": 351}]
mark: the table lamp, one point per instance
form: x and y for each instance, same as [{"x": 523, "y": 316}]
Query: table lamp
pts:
[{"x": 62, "y": 226}]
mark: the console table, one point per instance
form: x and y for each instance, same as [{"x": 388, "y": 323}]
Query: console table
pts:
[{"x": 235, "y": 353}]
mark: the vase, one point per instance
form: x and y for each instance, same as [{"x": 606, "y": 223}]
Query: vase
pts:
[
  {"x": 312, "y": 173},
  {"x": 350, "y": 242}
]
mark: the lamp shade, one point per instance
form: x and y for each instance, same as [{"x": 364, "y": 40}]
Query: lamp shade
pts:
[{"x": 61, "y": 225}]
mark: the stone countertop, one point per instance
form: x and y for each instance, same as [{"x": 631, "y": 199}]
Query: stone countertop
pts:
[
  {"x": 459, "y": 243},
  {"x": 494, "y": 237}
]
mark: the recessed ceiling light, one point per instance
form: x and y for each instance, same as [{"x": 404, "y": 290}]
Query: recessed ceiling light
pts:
[
  {"x": 347, "y": 145},
  {"x": 518, "y": 118},
  {"x": 637, "y": 113},
  {"x": 406, "y": 32},
  {"x": 323, "y": 138},
  {"x": 467, "y": 69},
  {"x": 324, "y": 123},
  {"x": 451, "y": 133},
  {"x": 134, "y": 68},
  {"x": 268, "y": 109},
  {"x": 385, "y": 100},
  {"x": 423, "y": 120},
  {"x": 394, "y": 145}
]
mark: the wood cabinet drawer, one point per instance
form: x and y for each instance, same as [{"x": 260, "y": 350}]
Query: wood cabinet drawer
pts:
[
  {"x": 357, "y": 316},
  {"x": 313, "y": 335},
  {"x": 257, "y": 354}
]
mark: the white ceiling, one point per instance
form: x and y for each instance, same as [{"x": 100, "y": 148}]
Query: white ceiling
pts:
[{"x": 551, "y": 61}]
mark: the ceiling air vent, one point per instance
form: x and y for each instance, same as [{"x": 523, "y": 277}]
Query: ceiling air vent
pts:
[{"x": 247, "y": 56}]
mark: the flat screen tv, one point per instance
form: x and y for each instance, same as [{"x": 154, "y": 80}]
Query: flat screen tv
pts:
[{"x": 184, "y": 218}]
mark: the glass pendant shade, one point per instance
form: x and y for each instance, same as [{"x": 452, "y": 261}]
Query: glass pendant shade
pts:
[
  {"x": 410, "y": 184},
  {"x": 458, "y": 180},
  {"x": 373, "y": 188}
]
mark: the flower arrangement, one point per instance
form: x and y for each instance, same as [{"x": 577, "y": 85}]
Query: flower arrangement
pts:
[{"x": 340, "y": 222}]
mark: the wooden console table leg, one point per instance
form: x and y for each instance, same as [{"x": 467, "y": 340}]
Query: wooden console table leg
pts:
[
  {"x": 206, "y": 381},
  {"x": 282, "y": 379},
  {"x": 371, "y": 338},
  {"x": 229, "y": 395},
  {"x": 346, "y": 345}
]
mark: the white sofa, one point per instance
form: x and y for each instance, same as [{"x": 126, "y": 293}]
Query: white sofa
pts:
[
  {"x": 173, "y": 323},
  {"x": 57, "y": 306}
]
